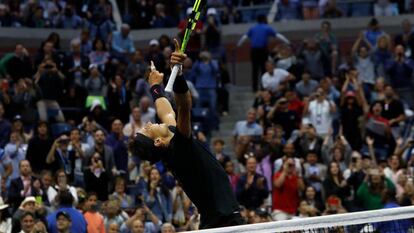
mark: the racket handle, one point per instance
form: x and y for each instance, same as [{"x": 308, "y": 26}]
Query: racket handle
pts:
[{"x": 171, "y": 80}]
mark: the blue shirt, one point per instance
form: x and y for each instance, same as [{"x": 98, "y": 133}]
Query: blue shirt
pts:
[
  {"x": 396, "y": 226},
  {"x": 259, "y": 35},
  {"x": 400, "y": 73},
  {"x": 206, "y": 75},
  {"x": 122, "y": 44},
  {"x": 372, "y": 36},
  {"x": 79, "y": 224},
  {"x": 120, "y": 151}
]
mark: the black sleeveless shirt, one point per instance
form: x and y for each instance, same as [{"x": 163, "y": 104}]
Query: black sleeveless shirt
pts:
[{"x": 202, "y": 178}]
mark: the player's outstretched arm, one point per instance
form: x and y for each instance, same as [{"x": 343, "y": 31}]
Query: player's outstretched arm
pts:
[
  {"x": 163, "y": 107},
  {"x": 182, "y": 95}
]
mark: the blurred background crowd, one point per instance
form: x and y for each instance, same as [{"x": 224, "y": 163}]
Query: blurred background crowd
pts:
[{"x": 329, "y": 129}]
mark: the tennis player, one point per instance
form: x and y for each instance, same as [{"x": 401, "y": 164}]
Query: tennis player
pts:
[{"x": 194, "y": 166}]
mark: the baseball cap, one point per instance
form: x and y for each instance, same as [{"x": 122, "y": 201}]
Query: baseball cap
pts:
[
  {"x": 64, "y": 214},
  {"x": 154, "y": 42},
  {"x": 211, "y": 11}
]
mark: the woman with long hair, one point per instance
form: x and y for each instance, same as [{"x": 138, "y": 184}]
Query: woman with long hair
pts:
[
  {"x": 370, "y": 191},
  {"x": 157, "y": 197},
  {"x": 335, "y": 184},
  {"x": 312, "y": 199}
]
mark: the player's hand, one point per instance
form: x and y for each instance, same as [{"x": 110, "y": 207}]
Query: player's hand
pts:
[
  {"x": 155, "y": 77},
  {"x": 177, "y": 57}
]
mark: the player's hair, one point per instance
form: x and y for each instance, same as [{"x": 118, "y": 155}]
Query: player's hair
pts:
[{"x": 143, "y": 147}]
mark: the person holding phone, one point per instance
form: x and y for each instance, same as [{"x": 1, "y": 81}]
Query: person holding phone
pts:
[
  {"x": 287, "y": 183},
  {"x": 50, "y": 82}
]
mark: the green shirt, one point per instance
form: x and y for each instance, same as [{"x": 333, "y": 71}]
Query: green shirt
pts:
[{"x": 370, "y": 200}]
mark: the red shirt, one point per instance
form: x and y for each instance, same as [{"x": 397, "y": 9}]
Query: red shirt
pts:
[
  {"x": 378, "y": 118},
  {"x": 194, "y": 44},
  {"x": 286, "y": 198}
]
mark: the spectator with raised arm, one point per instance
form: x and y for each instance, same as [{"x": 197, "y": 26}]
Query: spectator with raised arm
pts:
[
  {"x": 50, "y": 81},
  {"x": 400, "y": 69},
  {"x": 287, "y": 184},
  {"x": 259, "y": 36},
  {"x": 319, "y": 111}
]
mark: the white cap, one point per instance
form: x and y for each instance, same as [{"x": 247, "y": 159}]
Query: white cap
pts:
[
  {"x": 27, "y": 200},
  {"x": 154, "y": 42},
  {"x": 211, "y": 11},
  {"x": 95, "y": 104}
]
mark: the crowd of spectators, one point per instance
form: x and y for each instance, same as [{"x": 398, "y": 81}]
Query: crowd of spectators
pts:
[
  {"x": 67, "y": 117},
  {"x": 142, "y": 14},
  {"x": 330, "y": 129}
]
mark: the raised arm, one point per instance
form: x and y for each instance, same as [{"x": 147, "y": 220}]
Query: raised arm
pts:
[
  {"x": 164, "y": 110},
  {"x": 182, "y": 94}
]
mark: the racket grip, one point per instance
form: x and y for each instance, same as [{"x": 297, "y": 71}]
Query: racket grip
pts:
[{"x": 171, "y": 80}]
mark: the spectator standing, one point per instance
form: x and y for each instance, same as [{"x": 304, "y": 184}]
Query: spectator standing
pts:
[
  {"x": 310, "y": 9},
  {"x": 373, "y": 32},
  {"x": 92, "y": 217},
  {"x": 314, "y": 172},
  {"x": 329, "y": 46},
  {"x": 65, "y": 205},
  {"x": 275, "y": 79},
  {"x": 281, "y": 115},
  {"x": 50, "y": 81},
  {"x": 400, "y": 70},
  {"x": 288, "y": 10},
  {"x": 97, "y": 177},
  {"x": 320, "y": 112},
  {"x": 120, "y": 193},
  {"x": 406, "y": 37},
  {"x": 76, "y": 65},
  {"x": 39, "y": 147},
  {"x": 59, "y": 157},
  {"x": 69, "y": 19},
  {"x": 364, "y": 64},
  {"x": 157, "y": 197},
  {"x": 206, "y": 78},
  {"x": 161, "y": 19},
  {"x": 259, "y": 36},
  {"x": 99, "y": 54},
  {"x": 313, "y": 57},
  {"x": 119, "y": 97},
  {"x": 23, "y": 102},
  {"x": 20, "y": 65},
  {"x": 86, "y": 43},
  {"x": 252, "y": 188},
  {"x": 287, "y": 184},
  {"x": 371, "y": 189},
  {"x": 393, "y": 111},
  {"x": 95, "y": 84},
  {"x": 135, "y": 123},
  {"x": 335, "y": 184},
  {"x": 118, "y": 141},
  {"x": 22, "y": 186},
  {"x": 15, "y": 150},
  {"x": 307, "y": 86},
  {"x": 100, "y": 27}
]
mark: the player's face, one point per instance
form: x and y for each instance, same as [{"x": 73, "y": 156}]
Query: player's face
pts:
[{"x": 154, "y": 131}]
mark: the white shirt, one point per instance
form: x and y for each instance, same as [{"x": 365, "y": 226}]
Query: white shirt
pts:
[
  {"x": 6, "y": 226},
  {"x": 148, "y": 116},
  {"x": 271, "y": 81},
  {"x": 320, "y": 116}
]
